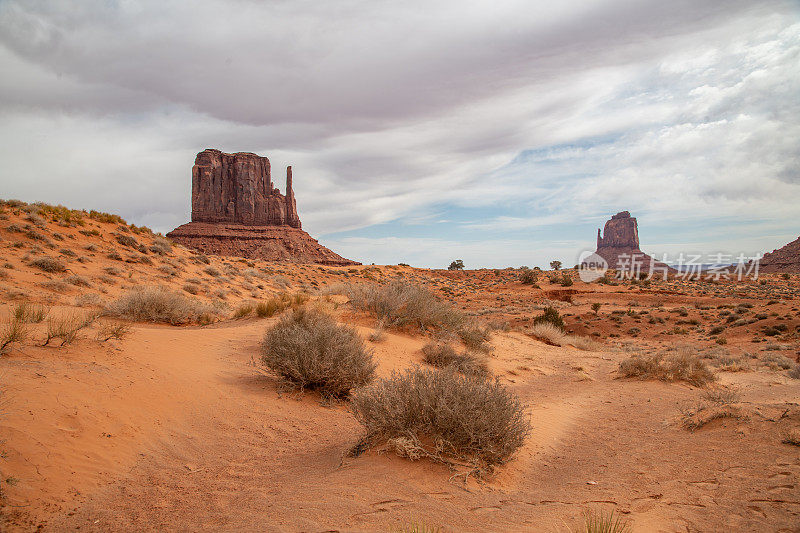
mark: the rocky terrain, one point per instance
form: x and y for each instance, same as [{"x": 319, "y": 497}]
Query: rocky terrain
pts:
[
  {"x": 143, "y": 424},
  {"x": 236, "y": 210},
  {"x": 784, "y": 259}
]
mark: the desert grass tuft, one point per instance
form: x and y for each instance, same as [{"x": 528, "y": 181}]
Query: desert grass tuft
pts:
[
  {"x": 112, "y": 330},
  {"x": 308, "y": 349},
  {"x": 27, "y": 312},
  {"x": 600, "y": 522},
  {"x": 13, "y": 331},
  {"x": 67, "y": 327}
]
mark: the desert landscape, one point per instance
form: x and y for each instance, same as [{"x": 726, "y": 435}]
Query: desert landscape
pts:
[
  {"x": 402, "y": 267},
  {"x": 169, "y": 419}
]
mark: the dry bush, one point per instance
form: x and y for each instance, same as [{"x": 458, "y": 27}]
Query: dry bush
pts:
[
  {"x": 67, "y": 327},
  {"x": 475, "y": 336},
  {"x": 191, "y": 288},
  {"x": 78, "y": 281},
  {"x": 442, "y": 414},
  {"x": 112, "y": 330},
  {"x": 528, "y": 276},
  {"x": 159, "y": 304},
  {"x": 308, "y": 349},
  {"x": 794, "y": 373},
  {"x": 378, "y": 334},
  {"x": 48, "y": 264},
  {"x": 12, "y": 331},
  {"x": 245, "y": 309},
  {"x": 400, "y": 304},
  {"x": 28, "y": 312},
  {"x": 279, "y": 303},
  {"x": 550, "y": 334},
  {"x": 681, "y": 365},
  {"x": 443, "y": 355},
  {"x": 777, "y": 361},
  {"x": 88, "y": 299},
  {"x": 717, "y": 403}
]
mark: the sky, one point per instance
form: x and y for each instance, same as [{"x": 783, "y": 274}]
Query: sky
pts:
[{"x": 502, "y": 133}]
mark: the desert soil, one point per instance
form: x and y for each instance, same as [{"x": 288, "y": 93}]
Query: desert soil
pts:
[{"x": 181, "y": 427}]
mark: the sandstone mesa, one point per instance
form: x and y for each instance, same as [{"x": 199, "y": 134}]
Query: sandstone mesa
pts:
[{"x": 237, "y": 211}]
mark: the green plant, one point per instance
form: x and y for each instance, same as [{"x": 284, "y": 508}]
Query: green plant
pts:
[
  {"x": 308, "y": 349},
  {"x": 528, "y": 276},
  {"x": 555, "y": 265},
  {"x": 458, "y": 264},
  {"x": 27, "y": 312},
  {"x": 551, "y": 316},
  {"x": 441, "y": 414}
]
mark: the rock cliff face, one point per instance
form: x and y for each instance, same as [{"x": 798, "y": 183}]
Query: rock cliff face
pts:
[
  {"x": 785, "y": 259},
  {"x": 236, "y": 210},
  {"x": 619, "y": 246}
]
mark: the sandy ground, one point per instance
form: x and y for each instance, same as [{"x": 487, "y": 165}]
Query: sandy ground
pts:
[{"x": 180, "y": 428}]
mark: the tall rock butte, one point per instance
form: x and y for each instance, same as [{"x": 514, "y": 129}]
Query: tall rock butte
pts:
[
  {"x": 236, "y": 210},
  {"x": 619, "y": 245}
]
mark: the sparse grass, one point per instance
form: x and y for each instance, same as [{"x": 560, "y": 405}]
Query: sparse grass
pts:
[
  {"x": 475, "y": 336},
  {"x": 28, "y": 312},
  {"x": 159, "y": 304},
  {"x": 681, "y": 365},
  {"x": 78, "y": 281},
  {"x": 600, "y": 522},
  {"x": 418, "y": 527},
  {"x": 442, "y": 415},
  {"x": 777, "y": 361},
  {"x": 308, "y": 349},
  {"x": 14, "y": 330},
  {"x": 48, "y": 264},
  {"x": 443, "y": 355},
  {"x": 67, "y": 327}
]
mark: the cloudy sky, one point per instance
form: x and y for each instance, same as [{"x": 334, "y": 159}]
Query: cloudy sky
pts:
[{"x": 500, "y": 132}]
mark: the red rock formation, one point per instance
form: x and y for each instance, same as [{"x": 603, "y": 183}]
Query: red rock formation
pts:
[
  {"x": 785, "y": 259},
  {"x": 619, "y": 246},
  {"x": 236, "y": 210}
]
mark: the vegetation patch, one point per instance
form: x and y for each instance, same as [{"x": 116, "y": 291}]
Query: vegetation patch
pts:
[
  {"x": 159, "y": 304},
  {"x": 680, "y": 365},
  {"x": 442, "y": 415}
]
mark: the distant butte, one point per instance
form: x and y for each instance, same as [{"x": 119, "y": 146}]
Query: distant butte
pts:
[
  {"x": 785, "y": 259},
  {"x": 619, "y": 246},
  {"x": 237, "y": 211}
]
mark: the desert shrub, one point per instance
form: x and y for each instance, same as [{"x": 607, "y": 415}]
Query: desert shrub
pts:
[
  {"x": 777, "y": 361},
  {"x": 27, "y": 312},
  {"x": 159, "y": 304},
  {"x": 160, "y": 246},
  {"x": 191, "y": 288},
  {"x": 465, "y": 417},
  {"x": 596, "y": 307},
  {"x": 716, "y": 404},
  {"x": 443, "y": 355},
  {"x": 127, "y": 240},
  {"x": 681, "y": 365},
  {"x": 169, "y": 270},
  {"x": 67, "y": 327},
  {"x": 88, "y": 298},
  {"x": 12, "y": 331},
  {"x": 55, "y": 285},
  {"x": 528, "y": 276},
  {"x": 48, "y": 264},
  {"x": 566, "y": 280},
  {"x": 458, "y": 264},
  {"x": 211, "y": 271},
  {"x": 308, "y": 349},
  {"x": 105, "y": 217},
  {"x": 78, "y": 281},
  {"x": 794, "y": 373},
  {"x": 550, "y": 316},
  {"x": 400, "y": 304}
]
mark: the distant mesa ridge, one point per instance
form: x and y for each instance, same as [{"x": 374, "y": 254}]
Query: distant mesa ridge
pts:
[
  {"x": 237, "y": 211},
  {"x": 619, "y": 245}
]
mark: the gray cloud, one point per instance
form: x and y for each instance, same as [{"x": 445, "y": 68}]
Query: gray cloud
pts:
[{"x": 387, "y": 110}]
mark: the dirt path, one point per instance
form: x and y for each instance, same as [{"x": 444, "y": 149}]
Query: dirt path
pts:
[{"x": 207, "y": 442}]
